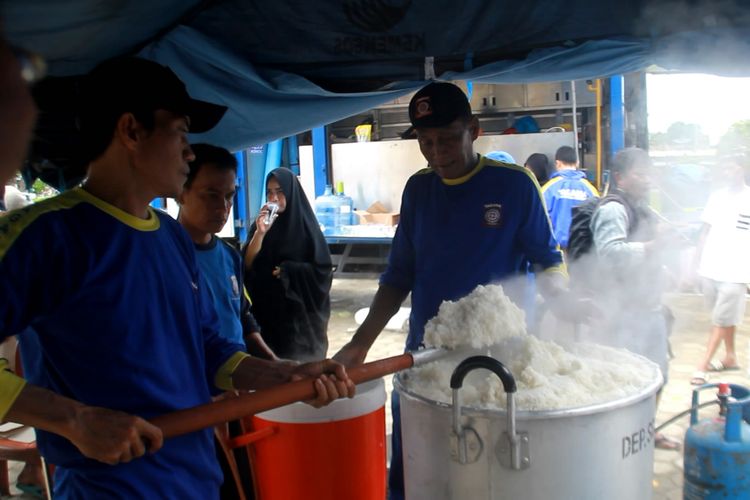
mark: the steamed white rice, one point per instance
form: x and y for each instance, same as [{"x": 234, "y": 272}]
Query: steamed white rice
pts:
[{"x": 548, "y": 376}]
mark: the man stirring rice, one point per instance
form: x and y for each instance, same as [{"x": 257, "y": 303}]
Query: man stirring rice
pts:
[
  {"x": 114, "y": 316},
  {"x": 466, "y": 220}
]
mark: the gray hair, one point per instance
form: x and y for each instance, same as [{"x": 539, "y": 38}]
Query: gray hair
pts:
[{"x": 626, "y": 159}]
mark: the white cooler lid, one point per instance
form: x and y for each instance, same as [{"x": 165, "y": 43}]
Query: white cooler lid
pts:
[{"x": 370, "y": 396}]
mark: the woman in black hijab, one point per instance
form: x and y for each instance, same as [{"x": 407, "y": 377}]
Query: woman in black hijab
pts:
[{"x": 288, "y": 272}]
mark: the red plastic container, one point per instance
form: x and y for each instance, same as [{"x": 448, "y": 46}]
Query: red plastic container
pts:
[{"x": 335, "y": 452}]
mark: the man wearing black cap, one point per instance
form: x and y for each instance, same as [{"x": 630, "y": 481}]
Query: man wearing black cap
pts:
[
  {"x": 113, "y": 314},
  {"x": 17, "y": 109},
  {"x": 465, "y": 221}
]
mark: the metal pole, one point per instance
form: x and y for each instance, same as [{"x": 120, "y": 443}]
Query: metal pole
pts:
[
  {"x": 597, "y": 88},
  {"x": 616, "y": 114},
  {"x": 320, "y": 159},
  {"x": 241, "y": 200},
  {"x": 255, "y": 178},
  {"x": 575, "y": 118},
  {"x": 293, "y": 154}
]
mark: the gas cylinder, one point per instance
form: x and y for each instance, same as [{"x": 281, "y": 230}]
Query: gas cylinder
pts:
[{"x": 717, "y": 449}]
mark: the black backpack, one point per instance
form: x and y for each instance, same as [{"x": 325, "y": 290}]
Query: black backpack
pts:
[{"x": 581, "y": 239}]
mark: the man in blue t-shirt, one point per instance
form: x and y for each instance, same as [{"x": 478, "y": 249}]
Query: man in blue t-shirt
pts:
[
  {"x": 466, "y": 220},
  {"x": 566, "y": 189},
  {"x": 205, "y": 203},
  {"x": 115, "y": 320}
]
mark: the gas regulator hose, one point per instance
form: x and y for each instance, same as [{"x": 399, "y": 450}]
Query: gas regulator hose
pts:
[{"x": 682, "y": 414}]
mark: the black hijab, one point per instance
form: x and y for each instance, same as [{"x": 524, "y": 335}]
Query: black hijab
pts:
[{"x": 292, "y": 310}]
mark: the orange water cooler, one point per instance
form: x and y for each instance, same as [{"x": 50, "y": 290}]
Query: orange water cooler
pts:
[{"x": 335, "y": 452}]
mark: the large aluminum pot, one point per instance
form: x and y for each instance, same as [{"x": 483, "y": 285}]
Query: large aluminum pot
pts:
[{"x": 597, "y": 452}]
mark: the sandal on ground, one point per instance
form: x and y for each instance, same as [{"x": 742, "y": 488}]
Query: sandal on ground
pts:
[
  {"x": 719, "y": 366},
  {"x": 699, "y": 378},
  {"x": 32, "y": 490},
  {"x": 663, "y": 442}
]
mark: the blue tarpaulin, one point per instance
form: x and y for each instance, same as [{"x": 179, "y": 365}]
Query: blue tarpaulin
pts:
[
  {"x": 264, "y": 104},
  {"x": 287, "y": 66}
]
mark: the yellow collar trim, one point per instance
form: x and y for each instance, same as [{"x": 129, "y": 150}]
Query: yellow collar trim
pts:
[
  {"x": 466, "y": 177},
  {"x": 150, "y": 224}
]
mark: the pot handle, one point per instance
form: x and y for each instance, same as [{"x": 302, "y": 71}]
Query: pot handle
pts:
[
  {"x": 488, "y": 363},
  {"x": 509, "y": 384}
]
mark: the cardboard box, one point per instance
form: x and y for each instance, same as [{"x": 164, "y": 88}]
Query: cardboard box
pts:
[
  {"x": 377, "y": 214},
  {"x": 387, "y": 218}
]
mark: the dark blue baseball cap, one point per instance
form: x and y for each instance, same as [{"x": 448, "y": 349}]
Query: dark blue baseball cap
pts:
[
  {"x": 128, "y": 84},
  {"x": 437, "y": 105}
]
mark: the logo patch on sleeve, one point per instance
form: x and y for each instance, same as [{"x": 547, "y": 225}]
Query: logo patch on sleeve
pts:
[{"x": 493, "y": 215}]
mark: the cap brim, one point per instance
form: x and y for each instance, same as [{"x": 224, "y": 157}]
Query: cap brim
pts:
[
  {"x": 408, "y": 133},
  {"x": 203, "y": 115}
]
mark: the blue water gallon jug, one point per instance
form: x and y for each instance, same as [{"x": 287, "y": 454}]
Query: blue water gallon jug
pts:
[
  {"x": 327, "y": 210},
  {"x": 346, "y": 206}
]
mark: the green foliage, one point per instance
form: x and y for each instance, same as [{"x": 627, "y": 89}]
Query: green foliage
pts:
[
  {"x": 657, "y": 140},
  {"x": 741, "y": 127},
  {"x": 42, "y": 190},
  {"x": 737, "y": 137},
  {"x": 686, "y": 134},
  {"x": 679, "y": 135}
]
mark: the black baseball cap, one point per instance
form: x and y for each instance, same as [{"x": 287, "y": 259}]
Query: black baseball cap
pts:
[
  {"x": 437, "y": 105},
  {"x": 129, "y": 84}
]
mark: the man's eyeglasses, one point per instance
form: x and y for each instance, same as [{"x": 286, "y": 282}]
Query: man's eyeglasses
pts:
[{"x": 33, "y": 66}]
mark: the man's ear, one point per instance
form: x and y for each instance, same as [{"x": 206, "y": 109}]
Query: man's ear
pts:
[
  {"x": 127, "y": 130},
  {"x": 617, "y": 178},
  {"x": 474, "y": 128}
]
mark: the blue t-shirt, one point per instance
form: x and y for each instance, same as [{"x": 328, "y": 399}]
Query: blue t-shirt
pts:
[
  {"x": 112, "y": 311},
  {"x": 221, "y": 265},
  {"x": 456, "y": 234},
  {"x": 565, "y": 190}
]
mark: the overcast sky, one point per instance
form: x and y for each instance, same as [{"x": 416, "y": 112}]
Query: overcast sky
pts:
[{"x": 712, "y": 102}]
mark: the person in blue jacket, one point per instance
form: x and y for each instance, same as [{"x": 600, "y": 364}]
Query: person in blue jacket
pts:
[
  {"x": 466, "y": 220},
  {"x": 567, "y": 188},
  {"x": 113, "y": 314},
  {"x": 501, "y": 156}
]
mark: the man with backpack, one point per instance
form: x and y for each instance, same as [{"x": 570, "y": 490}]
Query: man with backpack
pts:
[
  {"x": 580, "y": 252},
  {"x": 624, "y": 265}
]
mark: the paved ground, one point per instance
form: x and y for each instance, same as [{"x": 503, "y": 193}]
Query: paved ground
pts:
[
  {"x": 688, "y": 340},
  {"x": 688, "y": 343}
]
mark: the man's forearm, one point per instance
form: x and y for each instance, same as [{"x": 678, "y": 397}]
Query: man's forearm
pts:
[
  {"x": 109, "y": 436},
  {"x": 384, "y": 305},
  {"x": 255, "y": 373},
  {"x": 552, "y": 283},
  {"x": 700, "y": 245},
  {"x": 44, "y": 409},
  {"x": 258, "y": 347},
  {"x": 252, "y": 249}
]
